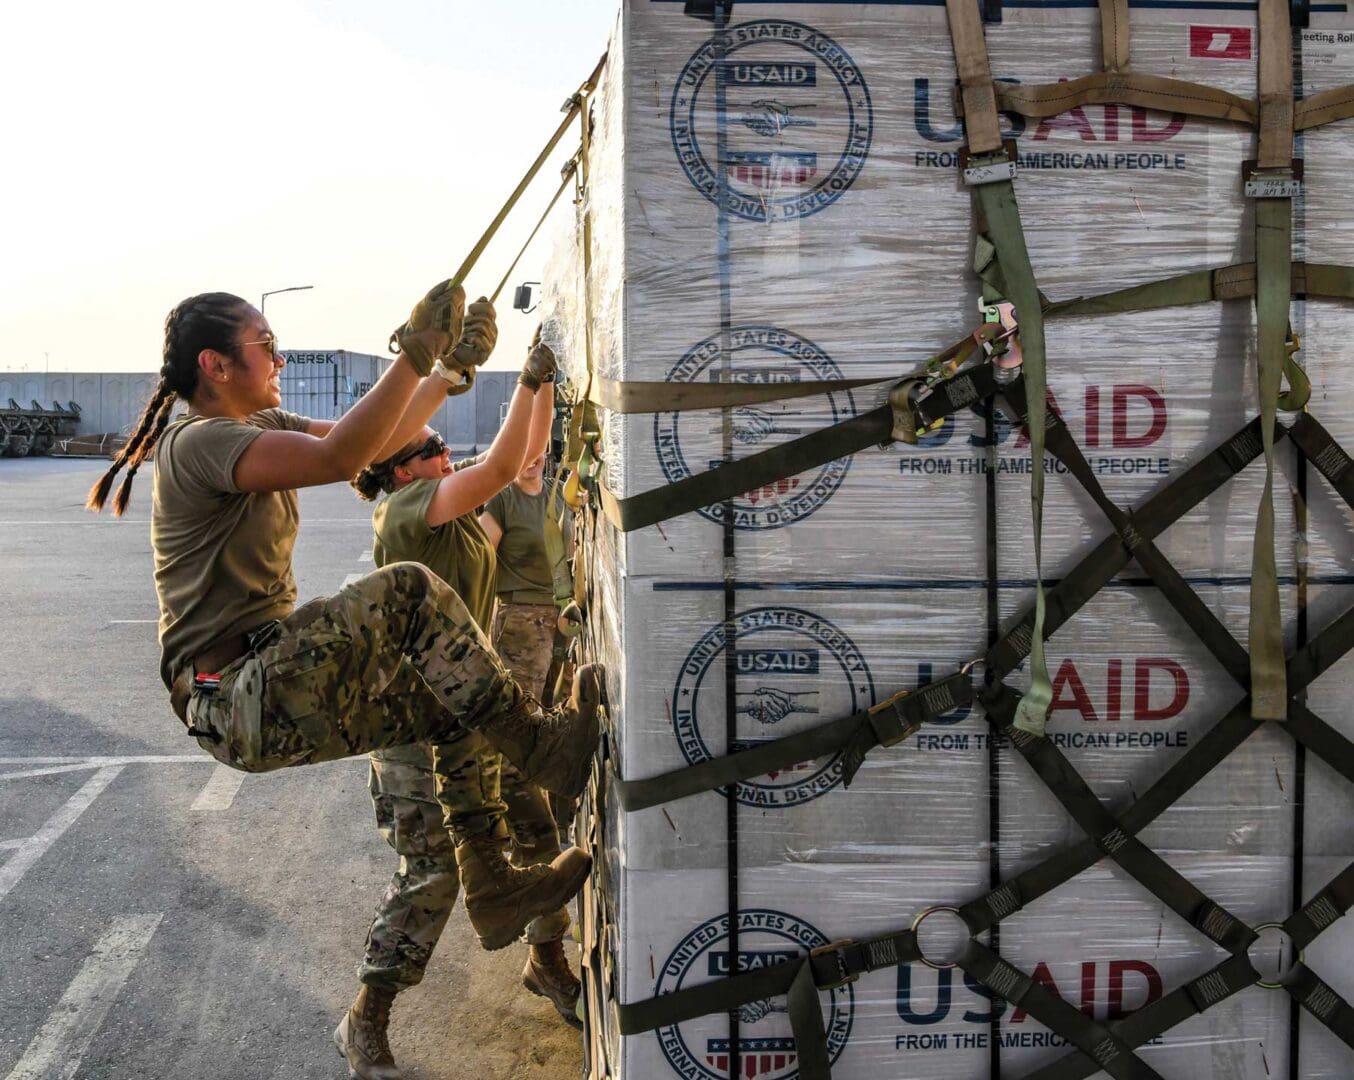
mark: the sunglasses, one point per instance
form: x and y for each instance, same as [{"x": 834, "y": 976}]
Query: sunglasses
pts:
[
  {"x": 270, "y": 341},
  {"x": 433, "y": 447}
]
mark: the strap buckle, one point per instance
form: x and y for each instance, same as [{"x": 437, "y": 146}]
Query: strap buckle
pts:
[
  {"x": 1281, "y": 183},
  {"x": 911, "y": 392},
  {"x": 905, "y": 730},
  {"x": 843, "y": 974},
  {"x": 989, "y": 168},
  {"x": 1003, "y": 347}
]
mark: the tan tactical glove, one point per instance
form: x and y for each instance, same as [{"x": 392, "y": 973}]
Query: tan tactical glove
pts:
[
  {"x": 479, "y": 337},
  {"x": 540, "y": 366},
  {"x": 433, "y": 325}
]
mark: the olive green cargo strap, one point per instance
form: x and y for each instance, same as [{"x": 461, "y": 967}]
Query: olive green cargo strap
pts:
[
  {"x": 1232, "y": 282},
  {"x": 1235, "y": 282},
  {"x": 1114, "y": 35},
  {"x": 854, "y": 736},
  {"x": 1326, "y": 107},
  {"x": 825, "y": 968},
  {"x": 572, "y": 109},
  {"x": 1115, "y": 88},
  {"x": 627, "y": 397},
  {"x": 903, "y": 415},
  {"x": 1273, "y": 258},
  {"x": 989, "y": 170},
  {"x": 566, "y": 180}
]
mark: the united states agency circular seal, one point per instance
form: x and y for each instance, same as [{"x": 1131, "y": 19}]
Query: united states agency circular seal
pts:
[
  {"x": 691, "y": 441},
  {"x": 699, "y": 1049},
  {"x": 797, "y": 120},
  {"x": 795, "y": 669}
]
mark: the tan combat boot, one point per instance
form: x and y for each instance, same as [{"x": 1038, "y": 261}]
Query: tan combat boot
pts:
[
  {"x": 501, "y": 899},
  {"x": 552, "y": 749},
  {"x": 361, "y": 1037},
  {"x": 547, "y": 974}
]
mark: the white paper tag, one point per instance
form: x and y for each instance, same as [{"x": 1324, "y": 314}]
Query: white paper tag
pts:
[
  {"x": 1273, "y": 187},
  {"x": 990, "y": 174}
]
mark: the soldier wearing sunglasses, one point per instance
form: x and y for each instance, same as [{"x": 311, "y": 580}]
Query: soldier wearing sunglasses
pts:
[
  {"x": 393, "y": 658},
  {"x": 428, "y": 515}
]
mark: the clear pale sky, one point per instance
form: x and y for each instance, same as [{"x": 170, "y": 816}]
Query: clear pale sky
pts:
[{"x": 156, "y": 149}]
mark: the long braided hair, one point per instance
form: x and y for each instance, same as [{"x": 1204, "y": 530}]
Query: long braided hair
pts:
[{"x": 205, "y": 321}]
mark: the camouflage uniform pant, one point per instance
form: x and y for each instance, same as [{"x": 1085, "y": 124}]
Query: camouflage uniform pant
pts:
[
  {"x": 391, "y": 659},
  {"x": 414, "y": 910}
]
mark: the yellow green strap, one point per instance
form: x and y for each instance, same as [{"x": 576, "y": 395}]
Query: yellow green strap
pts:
[
  {"x": 1273, "y": 231},
  {"x": 1273, "y": 264},
  {"x": 568, "y": 178},
  {"x": 575, "y": 106},
  {"x": 1003, "y": 221},
  {"x": 468, "y": 263},
  {"x": 1114, "y": 37}
]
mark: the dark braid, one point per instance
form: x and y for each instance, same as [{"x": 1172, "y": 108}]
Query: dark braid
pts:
[
  {"x": 206, "y": 321},
  {"x": 377, "y": 477}
]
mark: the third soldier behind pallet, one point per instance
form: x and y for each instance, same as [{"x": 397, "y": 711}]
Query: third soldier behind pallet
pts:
[
  {"x": 429, "y": 517},
  {"x": 533, "y": 582}
]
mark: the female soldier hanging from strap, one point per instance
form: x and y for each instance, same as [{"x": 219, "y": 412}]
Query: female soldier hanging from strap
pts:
[{"x": 391, "y": 659}]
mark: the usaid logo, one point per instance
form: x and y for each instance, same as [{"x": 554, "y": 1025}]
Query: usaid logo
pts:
[
  {"x": 1221, "y": 42},
  {"x": 796, "y": 114},
  {"x": 692, "y": 441},
  {"x": 699, "y": 1049},
  {"x": 1118, "y": 124},
  {"x": 1103, "y": 990},
  {"x": 1126, "y": 416},
  {"x": 791, "y": 666}
]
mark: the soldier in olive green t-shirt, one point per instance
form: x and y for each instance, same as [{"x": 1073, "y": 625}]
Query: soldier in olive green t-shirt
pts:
[
  {"x": 428, "y": 515},
  {"x": 391, "y": 658}
]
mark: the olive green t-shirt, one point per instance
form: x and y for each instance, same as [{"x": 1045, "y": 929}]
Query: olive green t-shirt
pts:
[
  {"x": 523, "y": 564},
  {"x": 458, "y": 551},
  {"x": 222, "y": 556}
]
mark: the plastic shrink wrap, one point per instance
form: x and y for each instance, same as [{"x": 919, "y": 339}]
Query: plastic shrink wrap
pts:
[{"x": 836, "y": 241}]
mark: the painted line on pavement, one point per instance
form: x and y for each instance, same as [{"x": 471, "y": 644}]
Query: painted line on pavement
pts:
[
  {"x": 107, "y": 523},
  {"x": 220, "y": 790},
  {"x": 10, "y": 845},
  {"x": 96, "y": 762},
  {"x": 59, "y": 1046},
  {"x": 47, "y": 770},
  {"x": 132, "y": 622},
  {"x": 366, "y": 556},
  {"x": 36, "y": 845},
  {"x": 80, "y": 765}
]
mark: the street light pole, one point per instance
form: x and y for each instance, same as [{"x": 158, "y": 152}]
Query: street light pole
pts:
[{"x": 263, "y": 301}]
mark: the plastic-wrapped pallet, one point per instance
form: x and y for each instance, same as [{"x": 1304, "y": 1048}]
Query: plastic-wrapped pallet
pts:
[{"x": 811, "y": 226}]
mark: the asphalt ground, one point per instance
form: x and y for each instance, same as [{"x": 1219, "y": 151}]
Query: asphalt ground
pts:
[{"x": 160, "y": 915}]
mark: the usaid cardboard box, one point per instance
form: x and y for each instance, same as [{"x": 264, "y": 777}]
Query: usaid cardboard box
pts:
[
  {"x": 803, "y": 656},
  {"x": 848, "y": 262},
  {"x": 1094, "y": 942},
  {"x": 844, "y": 253}
]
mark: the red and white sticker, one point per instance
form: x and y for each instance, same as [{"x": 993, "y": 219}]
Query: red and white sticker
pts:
[{"x": 1221, "y": 42}]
